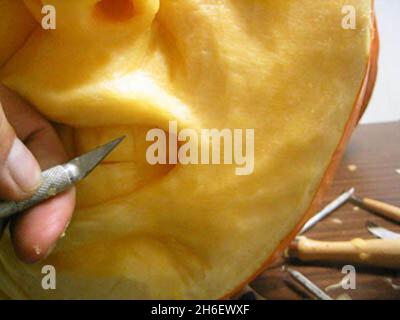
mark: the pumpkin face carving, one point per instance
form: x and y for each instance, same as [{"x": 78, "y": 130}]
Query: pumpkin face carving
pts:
[{"x": 287, "y": 69}]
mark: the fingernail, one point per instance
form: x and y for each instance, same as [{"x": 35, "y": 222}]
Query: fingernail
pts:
[{"x": 23, "y": 167}]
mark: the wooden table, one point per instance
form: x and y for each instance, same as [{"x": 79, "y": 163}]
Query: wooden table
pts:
[{"x": 375, "y": 153}]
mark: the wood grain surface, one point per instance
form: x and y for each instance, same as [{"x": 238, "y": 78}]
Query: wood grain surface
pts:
[{"x": 372, "y": 165}]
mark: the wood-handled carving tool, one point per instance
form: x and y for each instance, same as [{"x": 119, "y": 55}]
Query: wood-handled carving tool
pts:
[
  {"x": 331, "y": 207},
  {"x": 308, "y": 284},
  {"x": 381, "y": 232},
  {"x": 384, "y": 209},
  {"x": 376, "y": 252}
]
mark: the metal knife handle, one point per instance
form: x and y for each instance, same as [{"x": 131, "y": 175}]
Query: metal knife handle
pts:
[{"x": 54, "y": 181}]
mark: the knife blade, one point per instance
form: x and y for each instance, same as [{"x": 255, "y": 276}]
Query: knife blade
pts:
[
  {"x": 59, "y": 178},
  {"x": 331, "y": 207},
  {"x": 381, "y": 232},
  {"x": 308, "y": 284}
]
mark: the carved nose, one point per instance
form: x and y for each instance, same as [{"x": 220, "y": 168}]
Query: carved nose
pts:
[
  {"x": 97, "y": 16},
  {"x": 115, "y": 10}
]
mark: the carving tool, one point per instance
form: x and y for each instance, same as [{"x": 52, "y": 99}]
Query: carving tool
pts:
[
  {"x": 331, "y": 207},
  {"x": 381, "y": 232},
  {"x": 308, "y": 284},
  {"x": 60, "y": 178},
  {"x": 374, "y": 252},
  {"x": 386, "y": 210}
]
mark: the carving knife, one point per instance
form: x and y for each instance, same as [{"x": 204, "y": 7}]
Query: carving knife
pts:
[
  {"x": 308, "y": 284},
  {"x": 331, "y": 207},
  {"x": 384, "y": 209},
  {"x": 372, "y": 252},
  {"x": 60, "y": 178},
  {"x": 381, "y": 232}
]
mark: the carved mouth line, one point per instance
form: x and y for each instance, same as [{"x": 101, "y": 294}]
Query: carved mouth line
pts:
[{"x": 125, "y": 171}]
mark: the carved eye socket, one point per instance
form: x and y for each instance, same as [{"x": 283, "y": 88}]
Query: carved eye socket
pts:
[{"x": 115, "y": 10}]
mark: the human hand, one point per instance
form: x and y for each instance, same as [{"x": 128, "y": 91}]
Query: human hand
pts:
[{"x": 28, "y": 145}]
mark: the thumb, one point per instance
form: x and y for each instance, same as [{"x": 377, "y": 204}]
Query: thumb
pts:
[{"x": 19, "y": 171}]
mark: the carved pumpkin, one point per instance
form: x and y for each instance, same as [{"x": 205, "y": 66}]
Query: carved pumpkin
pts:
[{"x": 287, "y": 69}]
